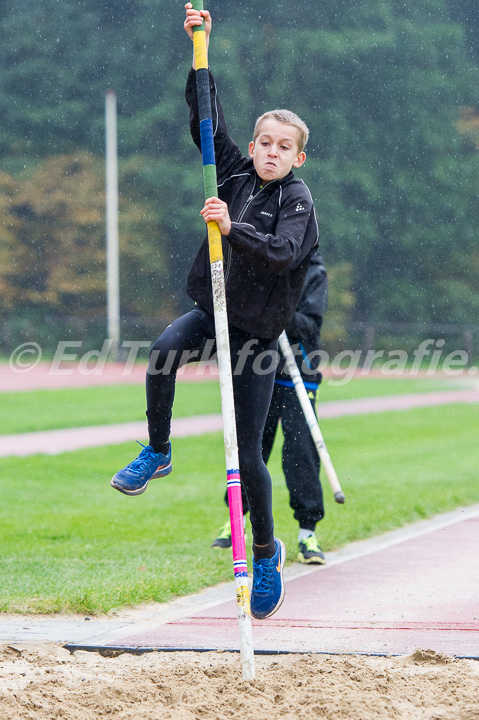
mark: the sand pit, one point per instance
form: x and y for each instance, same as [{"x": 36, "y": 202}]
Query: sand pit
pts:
[{"x": 46, "y": 682}]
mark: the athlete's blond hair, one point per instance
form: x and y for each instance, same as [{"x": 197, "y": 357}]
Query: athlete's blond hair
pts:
[{"x": 288, "y": 118}]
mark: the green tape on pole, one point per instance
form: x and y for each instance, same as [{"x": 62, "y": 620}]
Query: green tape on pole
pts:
[{"x": 209, "y": 179}]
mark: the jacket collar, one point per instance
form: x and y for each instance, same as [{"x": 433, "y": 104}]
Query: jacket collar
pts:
[{"x": 272, "y": 183}]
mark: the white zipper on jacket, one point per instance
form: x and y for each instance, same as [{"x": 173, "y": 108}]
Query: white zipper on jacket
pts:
[{"x": 240, "y": 217}]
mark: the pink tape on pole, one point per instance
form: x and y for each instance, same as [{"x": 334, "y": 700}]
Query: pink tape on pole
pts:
[{"x": 236, "y": 518}]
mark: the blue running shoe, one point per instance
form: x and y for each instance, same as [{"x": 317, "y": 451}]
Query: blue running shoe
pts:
[
  {"x": 268, "y": 586},
  {"x": 134, "y": 478}
]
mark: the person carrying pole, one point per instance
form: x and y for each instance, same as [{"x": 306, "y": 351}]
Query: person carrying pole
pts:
[
  {"x": 269, "y": 233},
  {"x": 300, "y": 458}
]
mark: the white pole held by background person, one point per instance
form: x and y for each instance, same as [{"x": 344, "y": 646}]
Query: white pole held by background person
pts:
[{"x": 310, "y": 417}]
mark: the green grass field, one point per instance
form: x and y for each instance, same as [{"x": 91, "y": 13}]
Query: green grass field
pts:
[
  {"x": 50, "y": 409},
  {"x": 71, "y": 543},
  {"x": 104, "y": 405}
]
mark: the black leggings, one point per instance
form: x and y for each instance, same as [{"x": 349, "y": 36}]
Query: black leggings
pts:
[
  {"x": 253, "y": 378},
  {"x": 299, "y": 456}
]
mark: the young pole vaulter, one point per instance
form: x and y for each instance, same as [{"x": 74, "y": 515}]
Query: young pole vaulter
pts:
[{"x": 269, "y": 232}]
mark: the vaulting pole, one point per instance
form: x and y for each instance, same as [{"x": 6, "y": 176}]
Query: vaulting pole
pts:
[
  {"x": 224, "y": 356},
  {"x": 310, "y": 417}
]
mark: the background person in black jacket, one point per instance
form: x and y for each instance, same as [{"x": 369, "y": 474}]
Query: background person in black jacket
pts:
[
  {"x": 300, "y": 457},
  {"x": 269, "y": 233}
]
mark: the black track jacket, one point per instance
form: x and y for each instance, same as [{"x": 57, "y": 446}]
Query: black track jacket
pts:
[
  {"x": 304, "y": 329},
  {"x": 273, "y": 235}
]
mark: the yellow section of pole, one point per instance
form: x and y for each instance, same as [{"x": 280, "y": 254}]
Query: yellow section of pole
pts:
[{"x": 214, "y": 242}]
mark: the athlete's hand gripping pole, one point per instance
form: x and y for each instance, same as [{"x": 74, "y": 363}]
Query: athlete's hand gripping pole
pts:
[
  {"x": 224, "y": 357},
  {"x": 310, "y": 417}
]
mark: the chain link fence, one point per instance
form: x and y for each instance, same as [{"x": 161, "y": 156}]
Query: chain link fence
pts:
[{"x": 358, "y": 338}]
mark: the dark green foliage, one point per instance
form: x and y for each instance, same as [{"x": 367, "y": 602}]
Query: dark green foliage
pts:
[{"x": 381, "y": 84}]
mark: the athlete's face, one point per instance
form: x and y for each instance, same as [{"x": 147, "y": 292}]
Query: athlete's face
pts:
[{"x": 275, "y": 150}]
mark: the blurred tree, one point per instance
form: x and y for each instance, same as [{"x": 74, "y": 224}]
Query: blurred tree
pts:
[
  {"x": 334, "y": 334},
  {"x": 9, "y": 228},
  {"x": 380, "y": 83},
  {"x": 467, "y": 13},
  {"x": 54, "y": 240}
]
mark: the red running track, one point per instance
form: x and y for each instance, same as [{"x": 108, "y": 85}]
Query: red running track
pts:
[
  {"x": 46, "y": 376},
  {"x": 65, "y": 440},
  {"x": 421, "y": 591}
]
